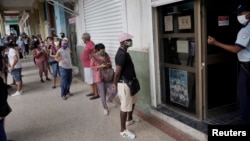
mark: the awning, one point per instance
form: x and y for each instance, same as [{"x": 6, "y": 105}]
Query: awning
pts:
[
  {"x": 66, "y": 9},
  {"x": 163, "y": 2}
]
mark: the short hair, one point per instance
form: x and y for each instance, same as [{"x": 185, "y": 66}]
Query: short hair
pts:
[
  {"x": 86, "y": 35},
  {"x": 99, "y": 46}
]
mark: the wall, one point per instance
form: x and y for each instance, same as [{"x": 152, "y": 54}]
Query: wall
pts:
[{"x": 138, "y": 24}]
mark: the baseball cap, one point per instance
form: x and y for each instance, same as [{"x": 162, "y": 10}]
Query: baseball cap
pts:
[
  {"x": 124, "y": 36},
  {"x": 242, "y": 8},
  {"x": 66, "y": 39}
]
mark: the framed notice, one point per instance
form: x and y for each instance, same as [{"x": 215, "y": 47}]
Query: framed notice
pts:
[
  {"x": 182, "y": 46},
  {"x": 168, "y": 22},
  {"x": 184, "y": 22},
  {"x": 178, "y": 87},
  {"x": 223, "y": 20}
]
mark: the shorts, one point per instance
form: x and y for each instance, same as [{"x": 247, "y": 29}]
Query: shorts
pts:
[
  {"x": 88, "y": 75},
  {"x": 126, "y": 99},
  {"x": 16, "y": 73},
  {"x": 55, "y": 69}
]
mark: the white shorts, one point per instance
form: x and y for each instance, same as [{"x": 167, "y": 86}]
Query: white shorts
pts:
[
  {"x": 126, "y": 99},
  {"x": 88, "y": 75}
]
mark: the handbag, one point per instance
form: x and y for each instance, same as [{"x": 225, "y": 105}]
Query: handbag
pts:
[
  {"x": 133, "y": 85},
  {"x": 107, "y": 74}
]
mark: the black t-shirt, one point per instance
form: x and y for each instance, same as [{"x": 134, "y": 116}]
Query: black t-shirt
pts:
[{"x": 123, "y": 59}]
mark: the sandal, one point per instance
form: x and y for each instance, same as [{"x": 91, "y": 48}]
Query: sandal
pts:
[
  {"x": 91, "y": 94},
  {"x": 94, "y": 97}
]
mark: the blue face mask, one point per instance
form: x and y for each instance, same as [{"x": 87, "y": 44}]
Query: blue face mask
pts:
[{"x": 64, "y": 46}]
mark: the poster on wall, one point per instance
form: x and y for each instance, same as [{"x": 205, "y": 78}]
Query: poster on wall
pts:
[
  {"x": 178, "y": 87},
  {"x": 168, "y": 22},
  {"x": 184, "y": 22},
  {"x": 223, "y": 20},
  {"x": 182, "y": 46}
]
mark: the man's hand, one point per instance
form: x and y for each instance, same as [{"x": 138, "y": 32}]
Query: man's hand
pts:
[{"x": 211, "y": 40}]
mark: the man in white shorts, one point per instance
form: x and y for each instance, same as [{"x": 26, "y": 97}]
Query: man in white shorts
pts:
[
  {"x": 88, "y": 72},
  {"x": 125, "y": 71}
]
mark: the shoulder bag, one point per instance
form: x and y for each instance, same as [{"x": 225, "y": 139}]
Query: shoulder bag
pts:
[{"x": 107, "y": 74}]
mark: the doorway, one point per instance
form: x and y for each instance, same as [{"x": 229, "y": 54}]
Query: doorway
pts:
[{"x": 221, "y": 66}]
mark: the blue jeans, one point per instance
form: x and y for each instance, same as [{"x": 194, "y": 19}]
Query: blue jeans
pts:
[
  {"x": 55, "y": 69},
  {"x": 2, "y": 131},
  {"x": 16, "y": 73},
  {"x": 66, "y": 79}
]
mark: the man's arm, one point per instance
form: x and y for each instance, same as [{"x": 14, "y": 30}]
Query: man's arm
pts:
[{"x": 230, "y": 48}]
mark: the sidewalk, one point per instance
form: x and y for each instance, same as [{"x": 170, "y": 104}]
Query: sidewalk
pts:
[{"x": 40, "y": 114}]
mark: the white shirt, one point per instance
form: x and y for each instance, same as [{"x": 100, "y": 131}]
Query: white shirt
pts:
[
  {"x": 11, "y": 55},
  {"x": 243, "y": 40}
]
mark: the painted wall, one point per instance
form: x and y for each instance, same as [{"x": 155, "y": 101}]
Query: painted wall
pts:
[{"x": 138, "y": 24}]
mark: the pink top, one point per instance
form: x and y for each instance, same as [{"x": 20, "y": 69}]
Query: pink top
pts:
[
  {"x": 94, "y": 66},
  {"x": 41, "y": 58},
  {"x": 87, "y": 51}
]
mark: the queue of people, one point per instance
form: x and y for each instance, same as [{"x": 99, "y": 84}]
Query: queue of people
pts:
[{"x": 55, "y": 53}]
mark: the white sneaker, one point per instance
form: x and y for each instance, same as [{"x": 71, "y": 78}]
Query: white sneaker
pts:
[
  {"x": 127, "y": 134},
  {"x": 106, "y": 112},
  {"x": 16, "y": 93}
]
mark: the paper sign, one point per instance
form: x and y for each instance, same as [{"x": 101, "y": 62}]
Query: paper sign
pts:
[
  {"x": 223, "y": 20},
  {"x": 168, "y": 21},
  {"x": 182, "y": 46},
  {"x": 184, "y": 22}
]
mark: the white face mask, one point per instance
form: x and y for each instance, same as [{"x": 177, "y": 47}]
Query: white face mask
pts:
[
  {"x": 56, "y": 43},
  {"x": 242, "y": 19},
  {"x": 129, "y": 43}
]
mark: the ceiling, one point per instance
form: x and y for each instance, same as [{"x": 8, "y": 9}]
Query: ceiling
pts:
[{"x": 11, "y": 9}]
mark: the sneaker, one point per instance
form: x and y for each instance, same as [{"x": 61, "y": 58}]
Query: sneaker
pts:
[
  {"x": 64, "y": 98},
  {"x": 106, "y": 112},
  {"x": 132, "y": 122},
  {"x": 127, "y": 134},
  {"x": 16, "y": 93}
]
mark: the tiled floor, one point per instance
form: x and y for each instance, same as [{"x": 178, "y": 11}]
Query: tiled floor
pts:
[{"x": 231, "y": 118}]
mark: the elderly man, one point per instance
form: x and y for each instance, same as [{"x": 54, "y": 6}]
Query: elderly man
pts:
[
  {"x": 88, "y": 72},
  {"x": 63, "y": 56}
]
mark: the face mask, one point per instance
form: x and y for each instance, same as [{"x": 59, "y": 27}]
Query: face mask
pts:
[
  {"x": 56, "y": 43},
  {"x": 129, "y": 43},
  {"x": 102, "y": 53},
  {"x": 242, "y": 19},
  {"x": 64, "y": 46}
]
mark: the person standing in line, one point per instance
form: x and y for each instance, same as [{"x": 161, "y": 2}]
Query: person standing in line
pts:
[
  {"x": 63, "y": 56},
  {"x": 125, "y": 71},
  {"x": 4, "y": 112},
  {"x": 88, "y": 72},
  {"x": 40, "y": 56},
  {"x": 15, "y": 68},
  {"x": 26, "y": 43},
  {"x": 20, "y": 43},
  {"x": 99, "y": 61},
  {"x": 54, "y": 64},
  {"x": 242, "y": 48}
]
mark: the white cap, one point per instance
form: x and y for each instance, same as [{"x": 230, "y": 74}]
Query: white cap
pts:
[{"x": 66, "y": 39}]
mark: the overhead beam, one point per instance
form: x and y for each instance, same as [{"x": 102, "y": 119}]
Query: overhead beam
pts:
[{"x": 15, "y": 8}]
